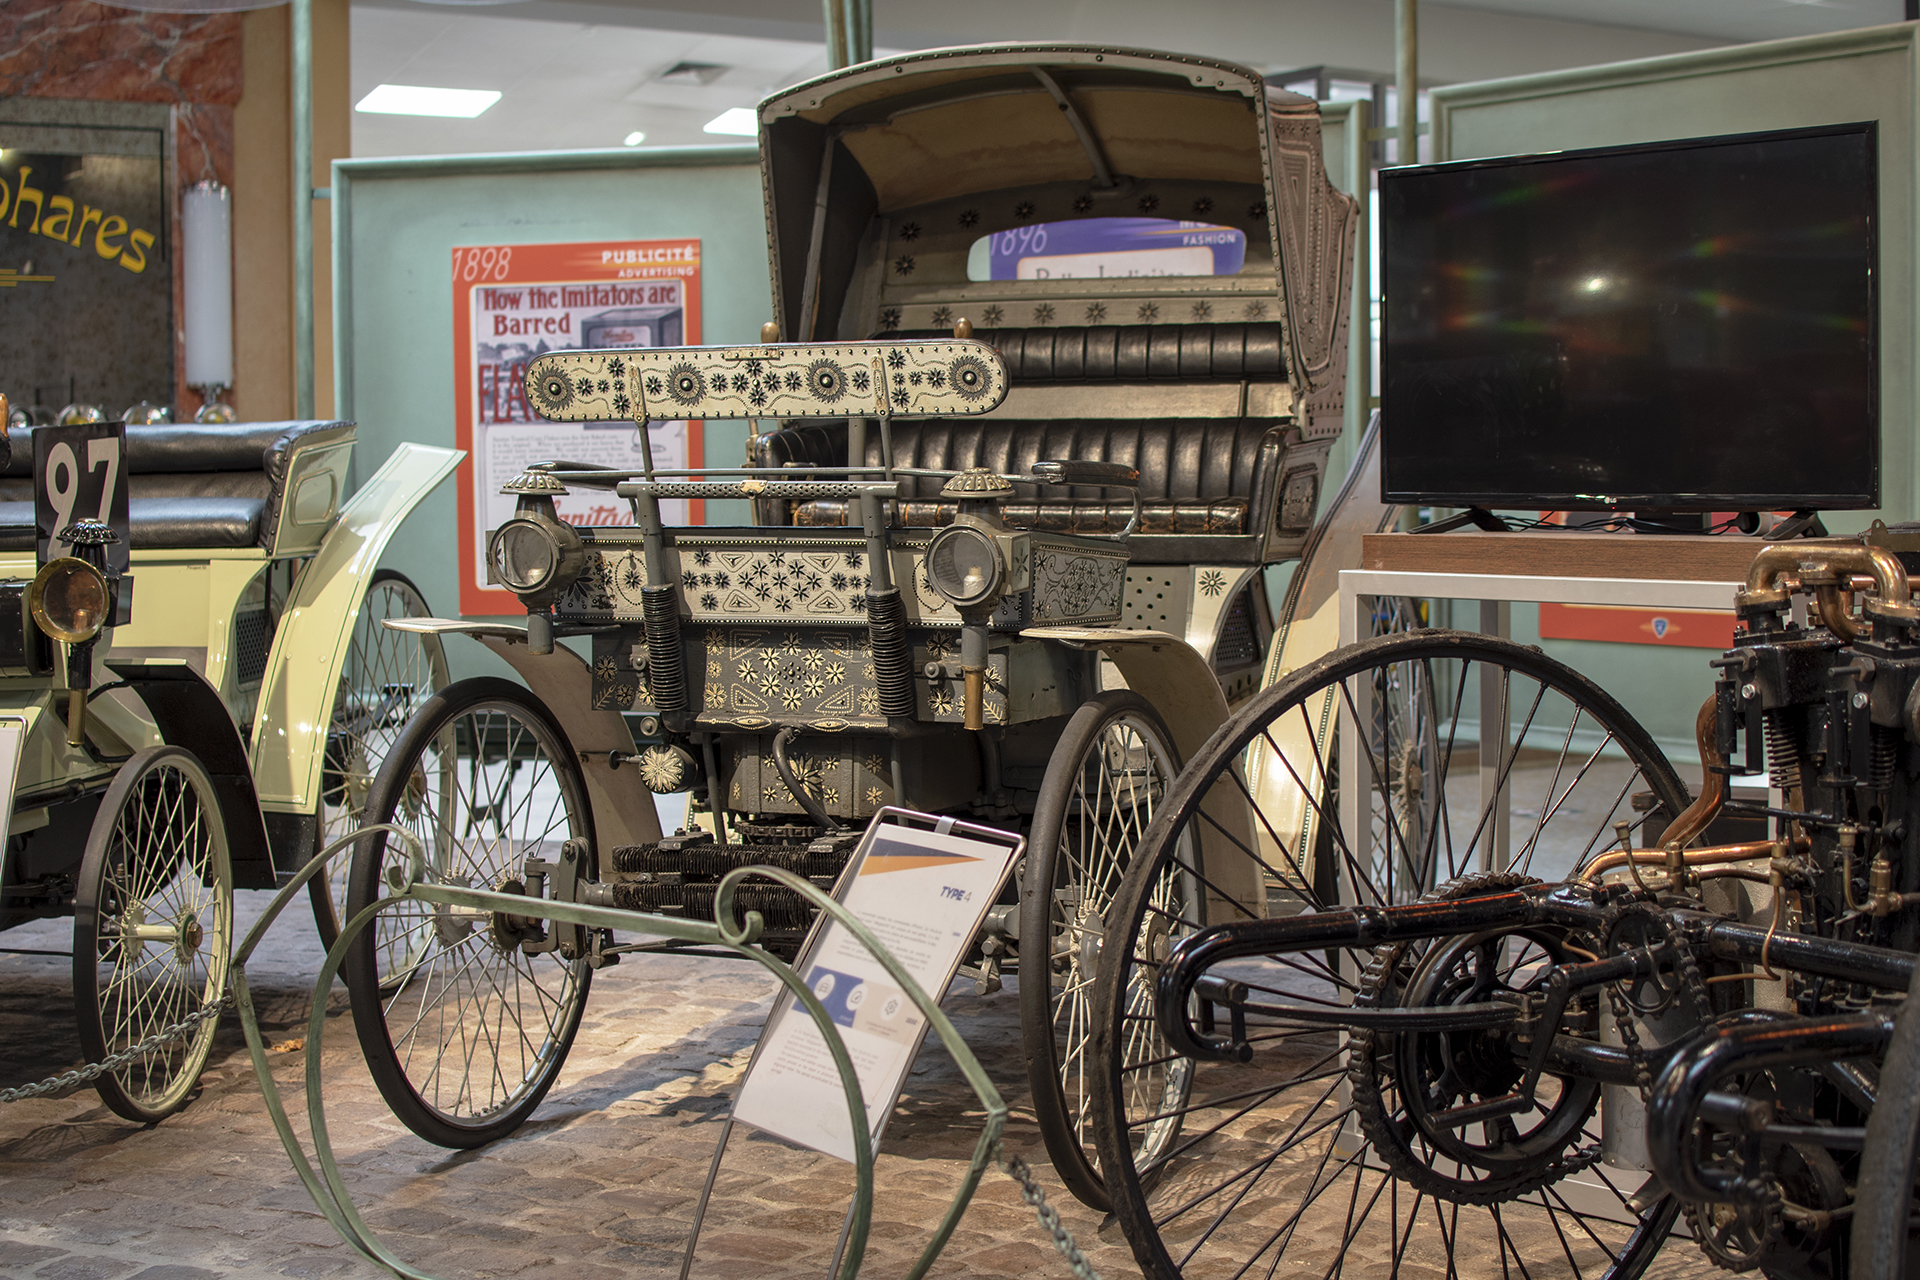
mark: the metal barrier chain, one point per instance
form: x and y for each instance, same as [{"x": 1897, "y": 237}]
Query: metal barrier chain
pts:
[
  {"x": 1049, "y": 1216},
  {"x": 94, "y": 1070}
]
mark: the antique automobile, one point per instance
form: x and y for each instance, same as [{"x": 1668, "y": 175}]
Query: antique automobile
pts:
[
  {"x": 1064, "y": 354},
  {"x": 1492, "y": 991},
  {"x": 160, "y": 749}
]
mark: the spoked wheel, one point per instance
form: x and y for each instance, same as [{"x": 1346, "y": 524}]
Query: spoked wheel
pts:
[
  {"x": 386, "y": 677},
  {"x": 1378, "y": 775},
  {"x": 1886, "y": 1218},
  {"x": 1107, "y": 776},
  {"x": 153, "y": 930},
  {"x": 463, "y": 1019}
]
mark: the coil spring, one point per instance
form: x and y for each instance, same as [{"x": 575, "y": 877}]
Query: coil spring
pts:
[
  {"x": 1886, "y": 744},
  {"x": 716, "y": 860},
  {"x": 1783, "y": 751},
  {"x": 892, "y": 664},
  {"x": 779, "y": 906},
  {"x": 666, "y": 677}
]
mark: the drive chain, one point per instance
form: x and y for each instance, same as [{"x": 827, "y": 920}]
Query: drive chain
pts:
[
  {"x": 94, "y": 1070},
  {"x": 1049, "y": 1216}
]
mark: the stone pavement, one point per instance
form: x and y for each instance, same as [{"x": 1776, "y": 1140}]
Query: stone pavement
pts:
[{"x": 600, "y": 1183}]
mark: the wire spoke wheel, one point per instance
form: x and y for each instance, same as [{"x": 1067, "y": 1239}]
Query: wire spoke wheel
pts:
[
  {"x": 463, "y": 1017},
  {"x": 1105, "y": 780},
  {"x": 1397, "y": 769},
  {"x": 153, "y": 930},
  {"x": 387, "y": 675}
]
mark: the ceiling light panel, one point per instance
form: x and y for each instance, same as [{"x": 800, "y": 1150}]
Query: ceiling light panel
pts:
[
  {"x": 420, "y": 100},
  {"x": 738, "y": 121}
]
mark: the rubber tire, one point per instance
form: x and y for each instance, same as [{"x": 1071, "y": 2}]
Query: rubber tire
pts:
[
  {"x": 1220, "y": 753},
  {"x": 1071, "y": 1157},
  {"x": 320, "y": 888},
  {"x": 1883, "y": 1204},
  {"x": 95, "y": 1040},
  {"x": 365, "y": 987}
]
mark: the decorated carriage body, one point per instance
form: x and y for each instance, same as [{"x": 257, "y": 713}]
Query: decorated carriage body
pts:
[{"x": 1009, "y": 527}]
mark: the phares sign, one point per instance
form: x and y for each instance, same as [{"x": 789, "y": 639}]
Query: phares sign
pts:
[{"x": 58, "y": 218}]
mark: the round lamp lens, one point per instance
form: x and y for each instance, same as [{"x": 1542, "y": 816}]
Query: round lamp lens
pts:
[
  {"x": 964, "y": 566},
  {"x": 70, "y": 601},
  {"x": 524, "y": 556}
]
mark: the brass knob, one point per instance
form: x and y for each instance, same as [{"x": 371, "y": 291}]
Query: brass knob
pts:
[
  {"x": 963, "y": 328},
  {"x": 770, "y": 331}
]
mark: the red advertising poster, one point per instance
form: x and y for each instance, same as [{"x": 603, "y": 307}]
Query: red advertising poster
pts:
[
  {"x": 514, "y": 302},
  {"x": 1673, "y": 628}
]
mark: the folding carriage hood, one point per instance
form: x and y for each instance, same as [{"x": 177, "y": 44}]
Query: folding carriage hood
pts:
[{"x": 881, "y": 177}]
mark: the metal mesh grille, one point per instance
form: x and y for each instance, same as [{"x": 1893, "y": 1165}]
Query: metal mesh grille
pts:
[
  {"x": 252, "y": 638},
  {"x": 1238, "y": 645}
]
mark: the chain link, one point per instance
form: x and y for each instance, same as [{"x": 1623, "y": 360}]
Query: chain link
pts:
[
  {"x": 94, "y": 1070},
  {"x": 1049, "y": 1216}
]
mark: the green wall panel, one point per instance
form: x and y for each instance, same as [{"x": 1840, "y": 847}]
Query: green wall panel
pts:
[{"x": 395, "y": 222}]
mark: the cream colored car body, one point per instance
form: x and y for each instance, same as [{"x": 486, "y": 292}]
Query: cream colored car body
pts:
[{"x": 184, "y": 610}]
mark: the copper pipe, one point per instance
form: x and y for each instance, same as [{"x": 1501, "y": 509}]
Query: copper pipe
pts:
[
  {"x": 1832, "y": 555},
  {"x": 1733, "y": 873},
  {"x": 1705, "y": 856},
  {"x": 975, "y": 679},
  {"x": 1713, "y": 785},
  {"x": 1836, "y": 611}
]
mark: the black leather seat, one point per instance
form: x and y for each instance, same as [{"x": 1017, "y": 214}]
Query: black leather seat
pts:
[
  {"x": 1234, "y": 489},
  {"x": 190, "y": 484},
  {"x": 1126, "y": 353}
]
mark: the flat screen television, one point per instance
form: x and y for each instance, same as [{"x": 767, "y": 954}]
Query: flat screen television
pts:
[{"x": 1687, "y": 325}]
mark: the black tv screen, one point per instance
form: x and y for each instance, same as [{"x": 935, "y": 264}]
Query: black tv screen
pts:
[{"x": 1687, "y": 325}]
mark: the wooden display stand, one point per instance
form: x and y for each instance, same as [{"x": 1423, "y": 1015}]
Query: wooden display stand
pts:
[{"x": 1538, "y": 553}]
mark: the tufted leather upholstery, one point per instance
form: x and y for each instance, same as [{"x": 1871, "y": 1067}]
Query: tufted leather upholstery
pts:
[
  {"x": 1215, "y": 490},
  {"x": 1127, "y": 353},
  {"x": 1226, "y": 516},
  {"x": 190, "y": 484}
]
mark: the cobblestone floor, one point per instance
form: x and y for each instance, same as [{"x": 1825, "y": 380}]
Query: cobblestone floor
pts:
[{"x": 601, "y": 1183}]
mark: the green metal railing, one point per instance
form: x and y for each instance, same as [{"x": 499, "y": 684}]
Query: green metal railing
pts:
[{"x": 411, "y": 882}]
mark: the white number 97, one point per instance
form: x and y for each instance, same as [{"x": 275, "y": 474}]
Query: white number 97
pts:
[{"x": 60, "y": 461}]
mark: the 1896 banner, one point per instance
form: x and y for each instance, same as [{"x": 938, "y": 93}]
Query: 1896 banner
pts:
[{"x": 512, "y": 303}]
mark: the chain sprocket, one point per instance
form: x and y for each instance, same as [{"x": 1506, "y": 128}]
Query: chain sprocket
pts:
[{"x": 1372, "y": 1060}]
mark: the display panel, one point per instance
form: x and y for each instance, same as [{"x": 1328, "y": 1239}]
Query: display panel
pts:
[{"x": 1687, "y": 325}]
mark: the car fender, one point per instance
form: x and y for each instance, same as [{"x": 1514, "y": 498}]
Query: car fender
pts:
[
  {"x": 1171, "y": 674},
  {"x": 623, "y": 811},
  {"x": 309, "y": 648}
]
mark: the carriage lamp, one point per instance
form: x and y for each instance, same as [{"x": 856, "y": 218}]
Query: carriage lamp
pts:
[
  {"x": 536, "y": 554},
  {"x": 963, "y": 564},
  {"x": 71, "y": 600},
  {"x": 967, "y": 563}
]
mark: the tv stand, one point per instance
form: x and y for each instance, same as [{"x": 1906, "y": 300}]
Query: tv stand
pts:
[
  {"x": 1801, "y": 524},
  {"x": 1478, "y": 517}
]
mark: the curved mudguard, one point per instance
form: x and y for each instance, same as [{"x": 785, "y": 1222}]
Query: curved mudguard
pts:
[
  {"x": 1171, "y": 674},
  {"x": 623, "y": 811},
  {"x": 309, "y": 649},
  {"x": 189, "y": 713}
]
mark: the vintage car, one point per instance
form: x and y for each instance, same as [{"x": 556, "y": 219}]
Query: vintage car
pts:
[
  {"x": 1059, "y": 352},
  {"x": 160, "y": 748}
]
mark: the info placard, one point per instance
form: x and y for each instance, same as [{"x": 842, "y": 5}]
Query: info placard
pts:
[
  {"x": 923, "y": 894},
  {"x": 513, "y": 303}
]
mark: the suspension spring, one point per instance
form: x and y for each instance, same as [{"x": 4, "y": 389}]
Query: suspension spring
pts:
[
  {"x": 1783, "y": 751},
  {"x": 666, "y": 677},
  {"x": 1886, "y": 744},
  {"x": 892, "y": 664}
]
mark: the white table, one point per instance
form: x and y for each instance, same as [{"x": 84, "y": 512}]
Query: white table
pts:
[{"x": 1496, "y": 593}]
